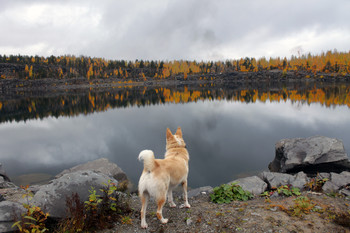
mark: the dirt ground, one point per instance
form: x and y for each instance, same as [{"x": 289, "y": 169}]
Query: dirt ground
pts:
[{"x": 256, "y": 215}]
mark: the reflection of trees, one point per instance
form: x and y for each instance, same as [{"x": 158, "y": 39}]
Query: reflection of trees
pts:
[{"x": 23, "y": 107}]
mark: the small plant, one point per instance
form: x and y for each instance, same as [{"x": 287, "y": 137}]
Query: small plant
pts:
[
  {"x": 76, "y": 215},
  {"x": 334, "y": 194},
  {"x": 126, "y": 220},
  {"x": 227, "y": 193},
  {"x": 303, "y": 205},
  {"x": 98, "y": 212},
  {"x": 316, "y": 184},
  {"x": 34, "y": 219},
  {"x": 286, "y": 190}
]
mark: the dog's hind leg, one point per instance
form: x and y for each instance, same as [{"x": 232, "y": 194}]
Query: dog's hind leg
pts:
[
  {"x": 184, "y": 187},
  {"x": 170, "y": 198},
  {"x": 161, "y": 202},
  {"x": 144, "y": 201}
]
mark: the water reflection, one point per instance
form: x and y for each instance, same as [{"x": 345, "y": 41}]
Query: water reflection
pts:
[
  {"x": 226, "y": 137},
  {"x": 22, "y": 106}
]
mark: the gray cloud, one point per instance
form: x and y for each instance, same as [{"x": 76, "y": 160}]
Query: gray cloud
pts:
[{"x": 192, "y": 29}]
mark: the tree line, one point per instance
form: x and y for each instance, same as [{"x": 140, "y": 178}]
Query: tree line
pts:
[{"x": 70, "y": 66}]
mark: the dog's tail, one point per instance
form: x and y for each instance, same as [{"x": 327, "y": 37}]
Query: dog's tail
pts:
[{"x": 147, "y": 156}]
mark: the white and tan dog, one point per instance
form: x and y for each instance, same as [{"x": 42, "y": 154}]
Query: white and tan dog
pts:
[{"x": 160, "y": 176}]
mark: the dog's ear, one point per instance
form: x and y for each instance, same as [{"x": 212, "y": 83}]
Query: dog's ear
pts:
[
  {"x": 169, "y": 135},
  {"x": 179, "y": 132}
]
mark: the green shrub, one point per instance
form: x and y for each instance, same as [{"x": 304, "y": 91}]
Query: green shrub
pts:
[
  {"x": 99, "y": 212},
  {"x": 34, "y": 219},
  {"x": 286, "y": 190},
  {"x": 229, "y": 192}
]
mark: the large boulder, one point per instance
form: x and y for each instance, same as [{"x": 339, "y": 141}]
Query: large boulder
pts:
[
  {"x": 275, "y": 179},
  {"x": 5, "y": 181},
  {"x": 311, "y": 155},
  {"x": 253, "y": 184},
  {"x": 52, "y": 197},
  {"x": 3, "y": 174},
  {"x": 100, "y": 165},
  {"x": 9, "y": 213}
]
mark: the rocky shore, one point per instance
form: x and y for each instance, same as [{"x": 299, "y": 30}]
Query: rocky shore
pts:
[{"x": 296, "y": 162}]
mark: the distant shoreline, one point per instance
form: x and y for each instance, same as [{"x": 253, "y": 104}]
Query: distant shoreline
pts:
[{"x": 76, "y": 83}]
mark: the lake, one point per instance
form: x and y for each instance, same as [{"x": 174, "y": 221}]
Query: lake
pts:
[{"x": 230, "y": 129}]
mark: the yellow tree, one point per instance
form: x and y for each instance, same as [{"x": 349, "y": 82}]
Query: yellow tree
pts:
[{"x": 30, "y": 73}]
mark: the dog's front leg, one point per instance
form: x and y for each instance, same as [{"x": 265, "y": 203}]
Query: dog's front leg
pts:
[
  {"x": 170, "y": 198},
  {"x": 184, "y": 187}
]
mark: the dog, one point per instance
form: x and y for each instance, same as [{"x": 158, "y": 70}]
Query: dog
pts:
[{"x": 160, "y": 176}]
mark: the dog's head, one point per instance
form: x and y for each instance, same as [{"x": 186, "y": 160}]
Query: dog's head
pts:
[{"x": 174, "y": 141}]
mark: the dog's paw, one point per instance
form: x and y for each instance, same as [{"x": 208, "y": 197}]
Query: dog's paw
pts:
[
  {"x": 185, "y": 206},
  {"x": 144, "y": 225},
  {"x": 172, "y": 205},
  {"x": 164, "y": 220}
]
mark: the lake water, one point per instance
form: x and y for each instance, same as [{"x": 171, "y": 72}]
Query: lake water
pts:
[{"x": 230, "y": 130}]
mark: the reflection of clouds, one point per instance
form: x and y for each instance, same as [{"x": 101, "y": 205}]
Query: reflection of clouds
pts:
[
  {"x": 224, "y": 138},
  {"x": 262, "y": 115}
]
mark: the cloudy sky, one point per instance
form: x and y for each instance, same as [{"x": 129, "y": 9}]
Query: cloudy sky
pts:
[{"x": 169, "y": 29}]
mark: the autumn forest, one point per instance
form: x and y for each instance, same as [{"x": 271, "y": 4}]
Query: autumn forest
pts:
[{"x": 60, "y": 67}]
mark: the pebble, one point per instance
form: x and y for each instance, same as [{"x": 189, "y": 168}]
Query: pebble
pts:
[
  {"x": 188, "y": 221},
  {"x": 255, "y": 214}
]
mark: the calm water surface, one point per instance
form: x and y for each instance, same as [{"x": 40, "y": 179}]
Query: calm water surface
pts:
[{"x": 226, "y": 139}]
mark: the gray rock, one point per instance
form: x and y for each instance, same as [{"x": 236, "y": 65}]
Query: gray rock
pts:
[
  {"x": 337, "y": 182},
  {"x": 345, "y": 192},
  {"x": 52, "y": 197},
  {"x": 275, "y": 179},
  {"x": 188, "y": 221},
  {"x": 34, "y": 188},
  {"x": 100, "y": 165},
  {"x": 300, "y": 180},
  {"x": 329, "y": 186},
  {"x": 6, "y": 184},
  {"x": 9, "y": 212},
  {"x": 311, "y": 155},
  {"x": 3, "y": 174},
  {"x": 199, "y": 191},
  {"x": 253, "y": 184},
  {"x": 341, "y": 179}
]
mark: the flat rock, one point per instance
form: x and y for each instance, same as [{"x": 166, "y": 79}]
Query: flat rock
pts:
[
  {"x": 311, "y": 155},
  {"x": 275, "y": 179},
  {"x": 253, "y": 184},
  {"x": 52, "y": 197},
  {"x": 9, "y": 211},
  {"x": 102, "y": 165},
  {"x": 337, "y": 182},
  {"x": 200, "y": 191}
]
